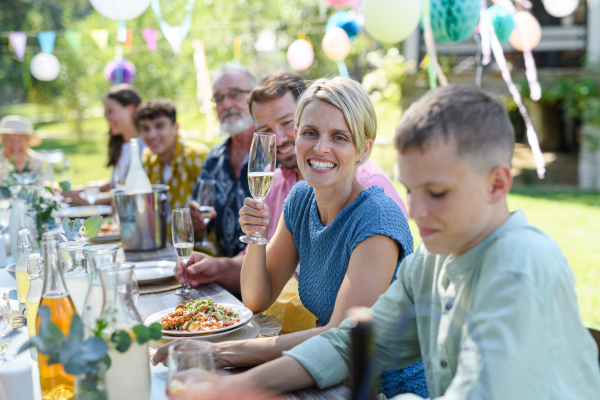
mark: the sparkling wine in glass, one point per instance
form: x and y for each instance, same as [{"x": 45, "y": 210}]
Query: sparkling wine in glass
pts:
[
  {"x": 206, "y": 199},
  {"x": 261, "y": 170},
  {"x": 183, "y": 241}
]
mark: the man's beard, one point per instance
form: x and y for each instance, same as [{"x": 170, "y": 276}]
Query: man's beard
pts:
[
  {"x": 238, "y": 126},
  {"x": 290, "y": 161}
]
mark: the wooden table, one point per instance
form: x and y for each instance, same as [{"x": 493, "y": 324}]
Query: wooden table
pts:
[{"x": 150, "y": 303}]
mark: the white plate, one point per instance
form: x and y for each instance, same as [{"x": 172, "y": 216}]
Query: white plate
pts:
[
  {"x": 154, "y": 271},
  {"x": 11, "y": 268},
  {"x": 207, "y": 336},
  {"x": 84, "y": 211},
  {"x": 245, "y": 315},
  {"x": 107, "y": 238}
]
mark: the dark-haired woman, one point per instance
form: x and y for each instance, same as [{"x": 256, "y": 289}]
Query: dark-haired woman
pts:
[{"x": 120, "y": 104}]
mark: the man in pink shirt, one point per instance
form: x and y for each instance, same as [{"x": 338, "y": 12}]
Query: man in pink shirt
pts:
[{"x": 273, "y": 105}]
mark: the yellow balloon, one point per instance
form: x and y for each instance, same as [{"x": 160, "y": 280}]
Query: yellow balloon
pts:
[
  {"x": 336, "y": 44},
  {"x": 526, "y": 23}
]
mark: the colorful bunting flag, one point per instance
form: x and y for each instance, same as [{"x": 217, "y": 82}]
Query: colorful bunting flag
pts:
[
  {"x": 122, "y": 32},
  {"x": 18, "y": 40},
  {"x": 100, "y": 36},
  {"x": 74, "y": 40},
  {"x": 129, "y": 40},
  {"x": 150, "y": 38},
  {"x": 174, "y": 34},
  {"x": 47, "y": 40}
]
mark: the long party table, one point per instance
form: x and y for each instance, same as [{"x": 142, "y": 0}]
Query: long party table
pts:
[{"x": 147, "y": 305}]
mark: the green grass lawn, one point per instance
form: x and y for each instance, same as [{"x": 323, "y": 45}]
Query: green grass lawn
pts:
[{"x": 572, "y": 218}]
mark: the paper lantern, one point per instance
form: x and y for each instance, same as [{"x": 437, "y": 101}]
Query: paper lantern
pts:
[
  {"x": 391, "y": 21},
  {"x": 45, "y": 67},
  {"x": 339, "y": 4},
  {"x": 300, "y": 54},
  {"x": 346, "y": 21},
  {"x": 526, "y": 23},
  {"x": 453, "y": 21},
  {"x": 561, "y": 8},
  {"x": 120, "y": 10},
  {"x": 502, "y": 21},
  {"x": 120, "y": 71},
  {"x": 336, "y": 44}
]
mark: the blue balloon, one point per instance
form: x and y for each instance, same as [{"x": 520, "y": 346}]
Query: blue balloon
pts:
[
  {"x": 346, "y": 21},
  {"x": 453, "y": 21},
  {"x": 502, "y": 21}
]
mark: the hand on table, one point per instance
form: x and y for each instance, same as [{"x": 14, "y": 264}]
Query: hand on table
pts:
[
  {"x": 197, "y": 220},
  {"x": 201, "y": 269},
  {"x": 72, "y": 197},
  {"x": 161, "y": 354},
  {"x": 255, "y": 216}
]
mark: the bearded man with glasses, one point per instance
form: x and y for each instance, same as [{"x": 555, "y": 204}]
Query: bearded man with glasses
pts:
[{"x": 227, "y": 162}]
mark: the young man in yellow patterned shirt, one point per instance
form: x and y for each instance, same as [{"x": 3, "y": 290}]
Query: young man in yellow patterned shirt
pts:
[{"x": 169, "y": 159}]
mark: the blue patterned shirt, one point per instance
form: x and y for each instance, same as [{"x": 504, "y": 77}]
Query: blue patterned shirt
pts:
[{"x": 229, "y": 198}]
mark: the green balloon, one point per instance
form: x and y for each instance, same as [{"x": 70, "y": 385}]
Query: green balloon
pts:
[
  {"x": 453, "y": 21},
  {"x": 391, "y": 21}
]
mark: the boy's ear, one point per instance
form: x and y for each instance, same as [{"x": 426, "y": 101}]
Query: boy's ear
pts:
[{"x": 500, "y": 180}]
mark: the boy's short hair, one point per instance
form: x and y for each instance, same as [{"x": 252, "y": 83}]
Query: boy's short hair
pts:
[
  {"x": 475, "y": 121},
  {"x": 154, "y": 108},
  {"x": 275, "y": 85},
  {"x": 352, "y": 100}
]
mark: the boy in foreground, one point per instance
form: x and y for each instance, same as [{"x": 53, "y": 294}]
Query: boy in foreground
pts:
[{"x": 487, "y": 301}]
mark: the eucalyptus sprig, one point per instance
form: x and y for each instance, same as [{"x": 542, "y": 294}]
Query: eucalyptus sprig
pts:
[
  {"x": 79, "y": 356},
  {"x": 78, "y": 228}
]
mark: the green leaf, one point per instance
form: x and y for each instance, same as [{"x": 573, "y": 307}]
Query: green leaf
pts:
[
  {"x": 100, "y": 326},
  {"x": 142, "y": 333},
  {"x": 36, "y": 342},
  {"x": 48, "y": 188},
  {"x": 55, "y": 332},
  {"x": 122, "y": 340},
  {"x": 44, "y": 313},
  {"x": 155, "y": 331},
  {"x": 76, "y": 330},
  {"x": 106, "y": 361},
  {"x": 94, "y": 350},
  {"x": 92, "y": 225},
  {"x": 65, "y": 186}
]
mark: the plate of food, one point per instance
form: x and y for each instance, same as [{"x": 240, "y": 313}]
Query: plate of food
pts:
[
  {"x": 84, "y": 211},
  {"x": 109, "y": 232},
  {"x": 200, "y": 317},
  {"x": 154, "y": 271}
]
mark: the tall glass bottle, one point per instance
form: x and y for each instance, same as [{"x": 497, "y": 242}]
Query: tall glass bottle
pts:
[
  {"x": 35, "y": 270},
  {"x": 17, "y": 220},
  {"x": 129, "y": 374},
  {"x": 363, "y": 384},
  {"x": 21, "y": 276},
  {"x": 137, "y": 181},
  {"x": 55, "y": 382}
]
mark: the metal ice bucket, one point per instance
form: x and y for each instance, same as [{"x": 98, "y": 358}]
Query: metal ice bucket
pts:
[{"x": 143, "y": 218}]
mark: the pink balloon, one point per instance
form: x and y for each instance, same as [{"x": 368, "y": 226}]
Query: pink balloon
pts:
[
  {"x": 300, "y": 54},
  {"x": 339, "y": 4},
  {"x": 336, "y": 44},
  {"x": 530, "y": 26}
]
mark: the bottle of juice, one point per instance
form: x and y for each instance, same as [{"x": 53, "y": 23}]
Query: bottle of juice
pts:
[
  {"x": 35, "y": 269},
  {"x": 137, "y": 181},
  {"x": 24, "y": 245},
  {"x": 55, "y": 382}
]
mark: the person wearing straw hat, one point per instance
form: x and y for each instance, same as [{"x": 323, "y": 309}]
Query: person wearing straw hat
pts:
[{"x": 18, "y": 136}]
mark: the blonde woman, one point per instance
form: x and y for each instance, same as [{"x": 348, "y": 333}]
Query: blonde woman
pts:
[{"x": 348, "y": 239}]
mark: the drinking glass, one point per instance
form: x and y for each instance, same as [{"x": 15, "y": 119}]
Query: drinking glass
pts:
[
  {"x": 91, "y": 193},
  {"x": 261, "y": 170},
  {"x": 75, "y": 271},
  {"x": 206, "y": 199},
  {"x": 6, "y": 326},
  {"x": 183, "y": 240},
  {"x": 191, "y": 367}
]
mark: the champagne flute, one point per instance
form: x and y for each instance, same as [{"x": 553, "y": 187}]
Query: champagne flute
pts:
[
  {"x": 183, "y": 241},
  {"x": 191, "y": 369},
  {"x": 206, "y": 199},
  {"x": 261, "y": 170}
]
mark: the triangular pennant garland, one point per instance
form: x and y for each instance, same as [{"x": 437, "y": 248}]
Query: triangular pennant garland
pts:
[
  {"x": 74, "y": 40},
  {"x": 129, "y": 40},
  {"x": 100, "y": 36},
  {"x": 18, "y": 40},
  {"x": 47, "y": 40},
  {"x": 150, "y": 38}
]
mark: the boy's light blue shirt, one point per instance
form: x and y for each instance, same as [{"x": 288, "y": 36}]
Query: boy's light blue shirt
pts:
[{"x": 498, "y": 322}]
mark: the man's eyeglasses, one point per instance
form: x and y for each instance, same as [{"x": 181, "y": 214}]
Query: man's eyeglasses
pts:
[{"x": 232, "y": 95}]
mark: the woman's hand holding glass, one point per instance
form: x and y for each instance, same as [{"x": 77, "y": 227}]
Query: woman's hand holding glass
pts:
[{"x": 255, "y": 217}]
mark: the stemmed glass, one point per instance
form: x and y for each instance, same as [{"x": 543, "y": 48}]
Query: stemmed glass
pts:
[
  {"x": 191, "y": 369},
  {"x": 91, "y": 193},
  {"x": 206, "y": 199},
  {"x": 183, "y": 241},
  {"x": 261, "y": 170}
]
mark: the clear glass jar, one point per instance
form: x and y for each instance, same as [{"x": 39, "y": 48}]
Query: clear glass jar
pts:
[{"x": 75, "y": 271}]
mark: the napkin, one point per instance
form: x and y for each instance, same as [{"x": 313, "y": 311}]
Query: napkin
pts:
[{"x": 289, "y": 310}]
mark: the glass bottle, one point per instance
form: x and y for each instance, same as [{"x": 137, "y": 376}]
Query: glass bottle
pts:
[
  {"x": 129, "y": 374},
  {"x": 16, "y": 221},
  {"x": 35, "y": 270},
  {"x": 24, "y": 244},
  {"x": 56, "y": 384},
  {"x": 363, "y": 383},
  {"x": 137, "y": 181},
  {"x": 96, "y": 256},
  {"x": 75, "y": 271}
]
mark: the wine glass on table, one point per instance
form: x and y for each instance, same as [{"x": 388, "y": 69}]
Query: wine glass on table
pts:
[
  {"x": 183, "y": 240},
  {"x": 191, "y": 369},
  {"x": 261, "y": 170},
  {"x": 206, "y": 199}
]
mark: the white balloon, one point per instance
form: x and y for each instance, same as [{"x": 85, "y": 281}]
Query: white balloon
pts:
[
  {"x": 560, "y": 8},
  {"x": 120, "y": 9},
  {"x": 45, "y": 67}
]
